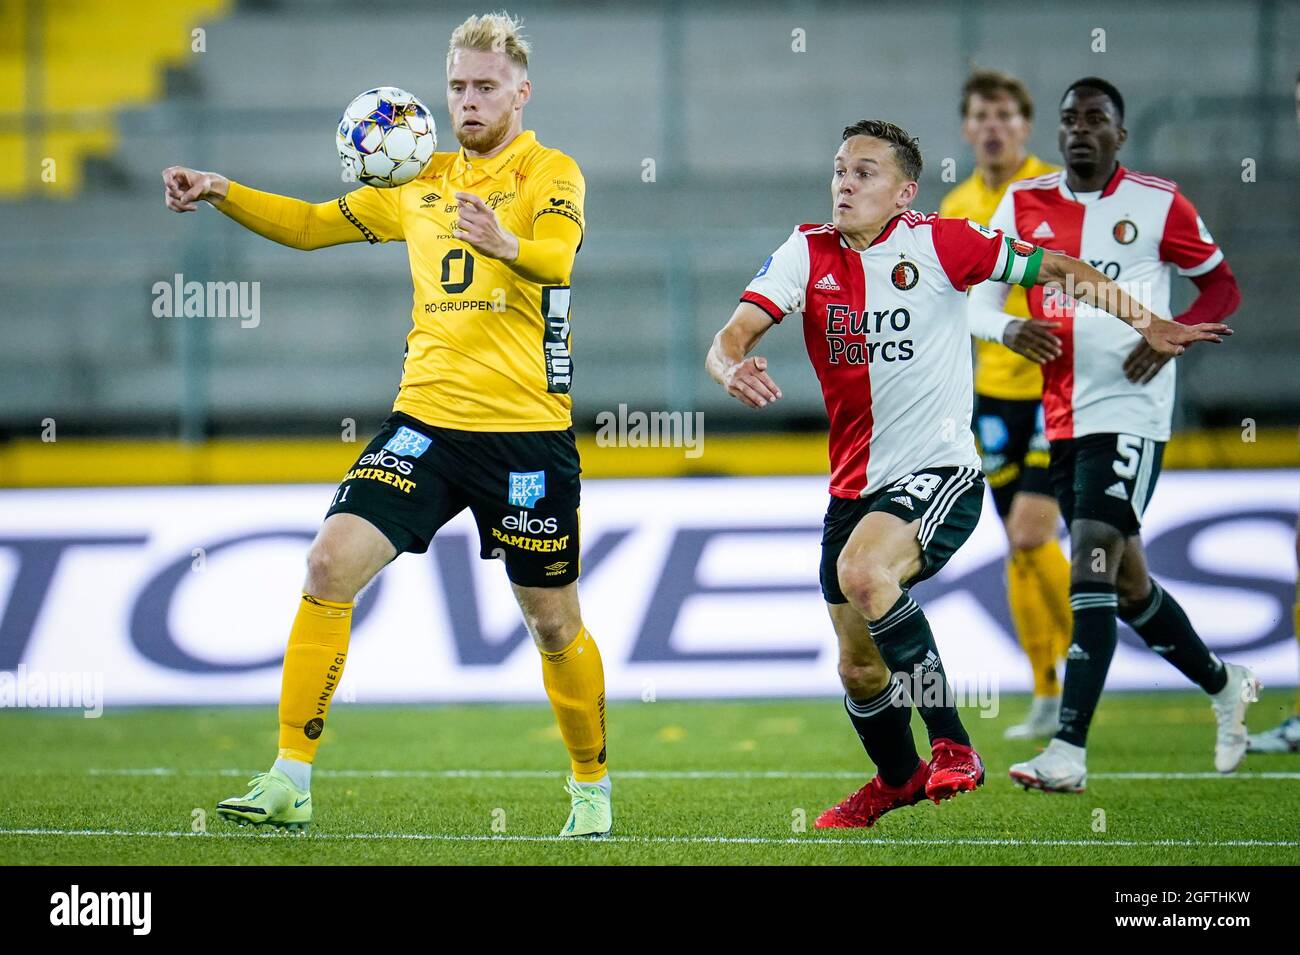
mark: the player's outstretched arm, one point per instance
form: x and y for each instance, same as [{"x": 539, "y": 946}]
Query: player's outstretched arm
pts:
[
  {"x": 745, "y": 379},
  {"x": 291, "y": 222},
  {"x": 1083, "y": 282}
]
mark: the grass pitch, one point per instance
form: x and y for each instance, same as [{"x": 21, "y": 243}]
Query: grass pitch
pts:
[{"x": 697, "y": 782}]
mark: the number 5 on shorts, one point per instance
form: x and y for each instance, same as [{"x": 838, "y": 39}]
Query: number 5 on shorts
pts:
[{"x": 1129, "y": 447}]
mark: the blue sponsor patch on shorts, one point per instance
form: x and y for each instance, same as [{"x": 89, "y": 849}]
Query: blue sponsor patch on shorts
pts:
[
  {"x": 526, "y": 488},
  {"x": 408, "y": 443},
  {"x": 993, "y": 433}
]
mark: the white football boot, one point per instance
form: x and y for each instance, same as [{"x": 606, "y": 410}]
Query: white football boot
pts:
[
  {"x": 1044, "y": 720},
  {"x": 1061, "y": 768},
  {"x": 1283, "y": 738},
  {"x": 1241, "y": 690}
]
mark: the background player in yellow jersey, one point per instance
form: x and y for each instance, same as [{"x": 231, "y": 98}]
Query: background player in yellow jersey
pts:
[
  {"x": 997, "y": 118},
  {"x": 483, "y": 416}
]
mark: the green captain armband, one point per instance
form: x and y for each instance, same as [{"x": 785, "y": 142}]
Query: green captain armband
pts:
[
  {"x": 1030, "y": 278},
  {"x": 1022, "y": 265}
]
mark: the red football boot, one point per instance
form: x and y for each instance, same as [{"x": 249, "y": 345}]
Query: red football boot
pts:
[
  {"x": 954, "y": 769},
  {"x": 864, "y": 807}
]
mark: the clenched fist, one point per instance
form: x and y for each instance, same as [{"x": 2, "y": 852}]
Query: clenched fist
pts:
[
  {"x": 184, "y": 189},
  {"x": 479, "y": 227}
]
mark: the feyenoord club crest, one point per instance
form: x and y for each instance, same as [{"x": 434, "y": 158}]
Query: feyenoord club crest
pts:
[
  {"x": 1125, "y": 231},
  {"x": 1020, "y": 247},
  {"x": 905, "y": 275}
]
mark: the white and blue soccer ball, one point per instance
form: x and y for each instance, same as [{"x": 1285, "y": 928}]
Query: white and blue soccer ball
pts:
[{"x": 385, "y": 137}]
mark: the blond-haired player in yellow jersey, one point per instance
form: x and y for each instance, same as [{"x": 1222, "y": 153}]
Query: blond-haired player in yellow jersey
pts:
[
  {"x": 997, "y": 118},
  {"x": 482, "y": 418}
]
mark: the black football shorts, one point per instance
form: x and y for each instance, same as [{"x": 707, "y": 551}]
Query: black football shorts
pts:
[
  {"x": 521, "y": 486},
  {"x": 1106, "y": 477},
  {"x": 946, "y": 502},
  {"x": 1013, "y": 448}
]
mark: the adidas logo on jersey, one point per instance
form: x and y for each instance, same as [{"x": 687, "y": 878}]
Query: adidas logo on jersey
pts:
[
  {"x": 1044, "y": 231},
  {"x": 1117, "y": 490},
  {"x": 827, "y": 283},
  {"x": 905, "y": 501}
]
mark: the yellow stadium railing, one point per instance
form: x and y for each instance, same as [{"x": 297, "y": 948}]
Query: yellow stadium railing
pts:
[{"x": 76, "y": 462}]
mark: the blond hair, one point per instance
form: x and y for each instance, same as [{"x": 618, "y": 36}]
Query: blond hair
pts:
[{"x": 492, "y": 33}]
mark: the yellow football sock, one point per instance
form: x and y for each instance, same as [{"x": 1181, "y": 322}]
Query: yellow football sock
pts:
[
  {"x": 313, "y": 666},
  {"x": 575, "y": 682},
  {"x": 1038, "y": 589},
  {"x": 1052, "y": 569}
]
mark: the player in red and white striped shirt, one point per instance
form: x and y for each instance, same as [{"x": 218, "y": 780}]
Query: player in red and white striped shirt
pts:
[
  {"x": 1108, "y": 398},
  {"x": 882, "y": 292}
]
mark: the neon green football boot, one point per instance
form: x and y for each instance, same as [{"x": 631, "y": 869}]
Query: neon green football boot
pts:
[
  {"x": 272, "y": 800},
  {"x": 592, "y": 814}
]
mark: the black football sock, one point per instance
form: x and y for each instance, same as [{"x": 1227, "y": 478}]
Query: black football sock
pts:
[
  {"x": 907, "y": 646},
  {"x": 1164, "y": 626},
  {"x": 884, "y": 724},
  {"x": 1093, "y": 645}
]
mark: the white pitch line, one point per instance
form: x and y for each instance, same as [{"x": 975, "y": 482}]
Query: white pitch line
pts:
[
  {"x": 660, "y": 840},
  {"x": 1245, "y": 775},
  {"x": 634, "y": 774}
]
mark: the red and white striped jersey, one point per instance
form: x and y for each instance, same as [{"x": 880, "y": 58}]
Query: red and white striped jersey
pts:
[
  {"x": 886, "y": 333},
  {"x": 1136, "y": 231}
]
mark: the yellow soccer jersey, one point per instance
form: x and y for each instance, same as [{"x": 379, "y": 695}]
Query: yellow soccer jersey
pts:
[
  {"x": 999, "y": 372},
  {"x": 488, "y": 350}
]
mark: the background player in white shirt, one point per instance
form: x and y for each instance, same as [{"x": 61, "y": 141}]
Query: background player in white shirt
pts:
[
  {"x": 1108, "y": 400},
  {"x": 882, "y": 294}
]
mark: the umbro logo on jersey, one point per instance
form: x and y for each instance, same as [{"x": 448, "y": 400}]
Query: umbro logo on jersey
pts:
[
  {"x": 827, "y": 283},
  {"x": 905, "y": 501},
  {"x": 1117, "y": 490},
  {"x": 429, "y": 200},
  {"x": 1043, "y": 231}
]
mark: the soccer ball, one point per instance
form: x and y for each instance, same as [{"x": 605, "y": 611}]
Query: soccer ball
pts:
[{"x": 385, "y": 137}]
